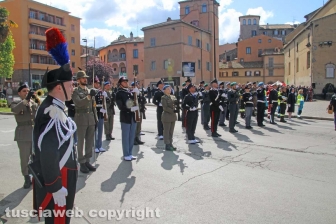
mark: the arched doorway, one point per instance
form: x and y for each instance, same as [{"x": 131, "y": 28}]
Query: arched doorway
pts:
[
  {"x": 114, "y": 55},
  {"x": 122, "y": 67},
  {"x": 122, "y": 54}
]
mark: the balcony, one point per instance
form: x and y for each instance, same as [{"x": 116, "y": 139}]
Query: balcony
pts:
[
  {"x": 42, "y": 66},
  {"x": 36, "y": 36},
  {"x": 35, "y": 50},
  {"x": 275, "y": 65},
  {"x": 116, "y": 60},
  {"x": 45, "y": 22}
]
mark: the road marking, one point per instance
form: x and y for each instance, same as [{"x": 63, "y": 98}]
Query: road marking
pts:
[{"x": 8, "y": 131}]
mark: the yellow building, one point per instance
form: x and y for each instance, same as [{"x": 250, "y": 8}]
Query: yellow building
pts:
[
  {"x": 33, "y": 19},
  {"x": 310, "y": 50}
]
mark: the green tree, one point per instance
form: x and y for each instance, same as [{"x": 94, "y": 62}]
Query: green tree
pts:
[
  {"x": 5, "y": 24},
  {"x": 7, "y": 57}
]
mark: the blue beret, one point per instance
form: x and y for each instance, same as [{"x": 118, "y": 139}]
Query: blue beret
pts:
[
  {"x": 106, "y": 83},
  {"x": 165, "y": 87},
  {"x": 261, "y": 84}
]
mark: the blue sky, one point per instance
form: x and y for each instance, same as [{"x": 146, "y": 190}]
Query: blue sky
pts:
[{"x": 105, "y": 20}]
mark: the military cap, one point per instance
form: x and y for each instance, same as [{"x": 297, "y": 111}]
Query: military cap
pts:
[
  {"x": 190, "y": 85},
  {"x": 159, "y": 83},
  {"x": 81, "y": 74},
  {"x": 206, "y": 84},
  {"x": 261, "y": 84},
  {"x": 122, "y": 79},
  {"x": 184, "y": 84},
  {"x": 254, "y": 83},
  {"x": 132, "y": 84},
  {"x": 233, "y": 83},
  {"x": 250, "y": 83},
  {"x": 202, "y": 82},
  {"x": 23, "y": 87},
  {"x": 107, "y": 83},
  {"x": 188, "y": 80},
  {"x": 247, "y": 87},
  {"x": 229, "y": 83},
  {"x": 214, "y": 81},
  {"x": 96, "y": 80},
  {"x": 221, "y": 83},
  {"x": 166, "y": 86}
]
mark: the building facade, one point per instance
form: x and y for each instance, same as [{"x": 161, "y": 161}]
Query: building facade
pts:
[
  {"x": 31, "y": 57},
  {"x": 87, "y": 54},
  {"x": 250, "y": 27},
  {"x": 192, "y": 38},
  {"x": 259, "y": 58},
  {"x": 310, "y": 54},
  {"x": 126, "y": 55}
]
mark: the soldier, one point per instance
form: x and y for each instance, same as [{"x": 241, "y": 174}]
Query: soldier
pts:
[
  {"x": 110, "y": 104},
  {"x": 206, "y": 107},
  {"x": 254, "y": 94},
  {"x": 273, "y": 102},
  {"x": 214, "y": 107},
  {"x": 24, "y": 111},
  {"x": 223, "y": 100},
  {"x": 184, "y": 93},
  {"x": 261, "y": 104},
  {"x": 227, "y": 115},
  {"x": 159, "y": 109},
  {"x": 201, "y": 86},
  {"x": 247, "y": 99},
  {"x": 242, "y": 105},
  {"x": 283, "y": 103},
  {"x": 86, "y": 120},
  {"x": 200, "y": 89},
  {"x": 71, "y": 113},
  {"x": 141, "y": 104},
  {"x": 54, "y": 152},
  {"x": 233, "y": 99},
  {"x": 190, "y": 104},
  {"x": 125, "y": 103}
]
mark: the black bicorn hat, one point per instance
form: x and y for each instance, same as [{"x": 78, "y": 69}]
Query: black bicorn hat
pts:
[
  {"x": 214, "y": 81},
  {"x": 189, "y": 86},
  {"x": 159, "y": 83},
  {"x": 202, "y": 82},
  {"x": 188, "y": 80}
]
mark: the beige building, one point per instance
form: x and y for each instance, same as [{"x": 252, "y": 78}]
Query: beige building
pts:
[
  {"x": 310, "y": 52},
  {"x": 87, "y": 54},
  {"x": 192, "y": 38},
  {"x": 33, "y": 19}
]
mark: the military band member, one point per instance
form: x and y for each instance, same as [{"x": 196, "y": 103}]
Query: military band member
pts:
[
  {"x": 223, "y": 100},
  {"x": 125, "y": 103},
  {"x": 214, "y": 107},
  {"x": 184, "y": 93},
  {"x": 157, "y": 101},
  {"x": 261, "y": 104},
  {"x": 248, "y": 102},
  {"x": 24, "y": 112},
  {"x": 85, "y": 119},
  {"x": 190, "y": 104},
  {"x": 233, "y": 100},
  {"x": 283, "y": 96},
  {"x": 206, "y": 107},
  {"x": 273, "y": 102},
  {"x": 54, "y": 150},
  {"x": 99, "y": 99},
  {"x": 110, "y": 104},
  {"x": 141, "y": 99}
]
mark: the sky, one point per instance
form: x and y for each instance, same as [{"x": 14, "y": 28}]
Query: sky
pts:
[{"x": 105, "y": 20}]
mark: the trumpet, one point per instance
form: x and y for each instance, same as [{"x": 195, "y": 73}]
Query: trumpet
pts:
[{"x": 36, "y": 96}]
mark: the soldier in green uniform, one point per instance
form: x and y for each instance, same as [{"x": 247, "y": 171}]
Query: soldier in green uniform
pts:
[
  {"x": 86, "y": 119},
  {"x": 24, "y": 111},
  {"x": 136, "y": 87},
  {"x": 233, "y": 99},
  {"x": 110, "y": 104}
]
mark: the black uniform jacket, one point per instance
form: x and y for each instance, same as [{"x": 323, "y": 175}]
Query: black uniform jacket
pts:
[
  {"x": 273, "y": 96},
  {"x": 189, "y": 102},
  {"x": 248, "y": 99},
  {"x": 123, "y": 99}
]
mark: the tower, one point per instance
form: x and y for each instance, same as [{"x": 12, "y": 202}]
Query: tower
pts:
[{"x": 249, "y": 26}]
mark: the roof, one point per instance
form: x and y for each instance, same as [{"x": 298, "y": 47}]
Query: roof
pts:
[
  {"x": 226, "y": 47},
  {"x": 171, "y": 22},
  {"x": 123, "y": 40},
  {"x": 193, "y": 0},
  {"x": 235, "y": 64},
  {"x": 248, "y": 16},
  {"x": 276, "y": 26}
]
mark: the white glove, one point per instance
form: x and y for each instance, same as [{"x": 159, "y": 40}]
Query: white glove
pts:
[
  {"x": 250, "y": 98},
  {"x": 193, "y": 109},
  {"x": 289, "y": 105},
  {"x": 200, "y": 94},
  {"x": 224, "y": 95},
  {"x": 221, "y": 108},
  {"x": 104, "y": 94},
  {"x": 136, "y": 90},
  {"x": 134, "y": 108},
  {"x": 102, "y": 111},
  {"x": 160, "y": 104},
  {"x": 59, "y": 197}
]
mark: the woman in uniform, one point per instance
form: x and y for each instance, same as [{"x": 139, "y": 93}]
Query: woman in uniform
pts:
[{"x": 291, "y": 103}]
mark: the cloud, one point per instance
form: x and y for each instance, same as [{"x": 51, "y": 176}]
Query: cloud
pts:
[
  {"x": 102, "y": 37},
  {"x": 264, "y": 15},
  {"x": 229, "y": 26},
  {"x": 291, "y": 23}
]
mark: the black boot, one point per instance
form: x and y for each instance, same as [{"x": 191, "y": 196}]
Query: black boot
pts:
[
  {"x": 90, "y": 167},
  {"x": 83, "y": 168},
  {"x": 108, "y": 138},
  {"x": 169, "y": 148},
  {"x": 139, "y": 141},
  {"x": 135, "y": 142},
  {"x": 174, "y": 148},
  {"x": 27, "y": 182},
  {"x": 283, "y": 120},
  {"x": 111, "y": 138}
]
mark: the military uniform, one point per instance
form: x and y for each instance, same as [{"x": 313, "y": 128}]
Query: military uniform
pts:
[
  {"x": 190, "y": 104},
  {"x": 168, "y": 119},
  {"x": 214, "y": 110},
  {"x": 242, "y": 105},
  {"x": 184, "y": 92},
  {"x": 261, "y": 105},
  {"x": 99, "y": 100},
  {"x": 108, "y": 124},
  {"x": 233, "y": 100},
  {"x": 283, "y": 105},
  {"x": 157, "y": 101},
  {"x": 223, "y": 100},
  {"x": 273, "y": 103},
  {"x": 24, "y": 114},
  {"x": 206, "y": 109},
  {"x": 141, "y": 103},
  {"x": 249, "y": 106}
]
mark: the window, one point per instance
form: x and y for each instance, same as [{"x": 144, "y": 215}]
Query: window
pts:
[
  {"x": 257, "y": 73},
  {"x": 228, "y": 58},
  {"x": 72, "y": 40},
  {"x": 308, "y": 59},
  {"x": 259, "y": 52},
  {"x": 73, "y": 52},
  {"x": 244, "y": 21},
  {"x": 235, "y": 73},
  {"x": 248, "y": 50},
  {"x": 59, "y": 21},
  {"x": 165, "y": 64},
  {"x": 198, "y": 43},
  {"x": 204, "y": 8},
  {"x": 42, "y": 16},
  {"x": 72, "y": 27},
  {"x": 259, "y": 41},
  {"x": 187, "y": 10},
  {"x": 249, "y": 22},
  {"x": 43, "y": 60},
  {"x": 270, "y": 72},
  {"x": 208, "y": 66},
  {"x": 199, "y": 64},
  {"x": 248, "y": 73},
  {"x": 32, "y": 14},
  {"x": 297, "y": 47},
  {"x": 289, "y": 68},
  {"x": 265, "y": 32},
  {"x": 254, "y": 33},
  {"x": 283, "y": 32},
  {"x": 190, "y": 40},
  {"x": 153, "y": 65},
  {"x": 136, "y": 69},
  {"x": 135, "y": 53},
  {"x": 254, "y": 22},
  {"x": 208, "y": 47},
  {"x": 122, "y": 55},
  {"x": 269, "y": 40},
  {"x": 330, "y": 70},
  {"x": 152, "y": 42},
  {"x": 221, "y": 74},
  {"x": 297, "y": 64},
  {"x": 275, "y": 32},
  {"x": 73, "y": 64}
]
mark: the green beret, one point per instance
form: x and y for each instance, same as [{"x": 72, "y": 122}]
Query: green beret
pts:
[
  {"x": 183, "y": 84},
  {"x": 206, "y": 84},
  {"x": 233, "y": 83}
]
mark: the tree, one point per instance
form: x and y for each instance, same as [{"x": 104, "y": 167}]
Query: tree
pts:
[
  {"x": 7, "y": 57},
  {"x": 101, "y": 69},
  {"x": 5, "y": 24}
]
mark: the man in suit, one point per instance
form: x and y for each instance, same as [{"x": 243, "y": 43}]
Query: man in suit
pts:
[
  {"x": 24, "y": 111},
  {"x": 110, "y": 104}
]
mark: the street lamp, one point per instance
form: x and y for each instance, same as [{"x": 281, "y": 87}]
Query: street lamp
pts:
[{"x": 86, "y": 55}]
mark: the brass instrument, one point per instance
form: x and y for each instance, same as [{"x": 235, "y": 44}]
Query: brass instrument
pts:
[{"x": 36, "y": 96}]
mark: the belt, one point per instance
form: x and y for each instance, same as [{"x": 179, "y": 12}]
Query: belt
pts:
[
  {"x": 274, "y": 101},
  {"x": 261, "y": 101},
  {"x": 99, "y": 105},
  {"x": 84, "y": 111},
  {"x": 249, "y": 102},
  {"x": 25, "y": 123}
]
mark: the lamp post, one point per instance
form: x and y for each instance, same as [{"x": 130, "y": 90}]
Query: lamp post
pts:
[{"x": 86, "y": 54}]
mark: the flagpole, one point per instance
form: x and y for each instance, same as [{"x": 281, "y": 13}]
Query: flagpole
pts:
[{"x": 94, "y": 49}]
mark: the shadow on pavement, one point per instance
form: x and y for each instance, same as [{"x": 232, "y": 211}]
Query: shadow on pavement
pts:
[
  {"x": 241, "y": 137},
  {"x": 285, "y": 127},
  {"x": 272, "y": 130},
  {"x": 197, "y": 152},
  {"x": 12, "y": 200}
]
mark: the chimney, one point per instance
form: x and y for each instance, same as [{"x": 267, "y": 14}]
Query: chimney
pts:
[
  {"x": 131, "y": 36},
  {"x": 169, "y": 19}
]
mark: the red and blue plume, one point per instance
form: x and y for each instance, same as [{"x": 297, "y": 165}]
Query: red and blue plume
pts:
[{"x": 57, "y": 46}]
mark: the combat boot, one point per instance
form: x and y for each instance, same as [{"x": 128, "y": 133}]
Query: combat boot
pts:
[{"x": 27, "y": 182}]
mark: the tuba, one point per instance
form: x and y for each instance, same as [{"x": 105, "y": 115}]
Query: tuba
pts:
[{"x": 36, "y": 97}]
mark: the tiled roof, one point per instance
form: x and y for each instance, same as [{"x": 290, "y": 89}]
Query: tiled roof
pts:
[
  {"x": 254, "y": 64},
  {"x": 276, "y": 26}
]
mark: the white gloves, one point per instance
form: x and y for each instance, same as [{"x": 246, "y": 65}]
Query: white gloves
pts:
[
  {"x": 160, "y": 104},
  {"x": 289, "y": 105},
  {"x": 104, "y": 94},
  {"x": 134, "y": 108},
  {"x": 200, "y": 94},
  {"x": 136, "y": 90},
  {"x": 193, "y": 109},
  {"x": 59, "y": 197},
  {"x": 221, "y": 108},
  {"x": 224, "y": 95},
  {"x": 102, "y": 111},
  {"x": 250, "y": 98}
]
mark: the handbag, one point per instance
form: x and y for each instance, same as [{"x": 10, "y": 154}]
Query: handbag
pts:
[
  {"x": 330, "y": 109},
  {"x": 36, "y": 171}
]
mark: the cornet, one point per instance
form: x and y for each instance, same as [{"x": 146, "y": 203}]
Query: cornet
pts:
[{"x": 36, "y": 97}]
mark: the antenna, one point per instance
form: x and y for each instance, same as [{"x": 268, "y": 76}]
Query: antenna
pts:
[{"x": 137, "y": 29}]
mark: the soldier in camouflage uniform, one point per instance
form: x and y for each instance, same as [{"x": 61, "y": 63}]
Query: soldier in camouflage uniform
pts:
[{"x": 110, "y": 104}]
